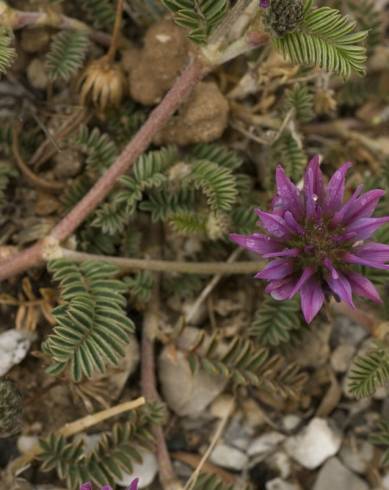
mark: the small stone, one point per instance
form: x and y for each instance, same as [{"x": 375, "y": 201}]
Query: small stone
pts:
[
  {"x": 280, "y": 484},
  {"x": 238, "y": 434},
  {"x": 68, "y": 163},
  {"x": 202, "y": 118},
  {"x": 346, "y": 331},
  {"x": 37, "y": 75},
  {"x": 145, "y": 471},
  {"x": 186, "y": 393},
  {"x": 358, "y": 456},
  {"x": 253, "y": 414},
  {"x": 385, "y": 482},
  {"x": 265, "y": 443},
  {"x": 291, "y": 422},
  {"x": 229, "y": 457},
  {"x": 26, "y": 443},
  {"x": 221, "y": 406},
  {"x": 341, "y": 357},
  {"x": 314, "y": 444},
  {"x": 334, "y": 476},
  {"x": 14, "y": 345}
]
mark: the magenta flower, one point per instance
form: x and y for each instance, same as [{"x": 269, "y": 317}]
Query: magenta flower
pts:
[
  {"x": 313, "y": 240},
  {"x": 264, "y": 4}
]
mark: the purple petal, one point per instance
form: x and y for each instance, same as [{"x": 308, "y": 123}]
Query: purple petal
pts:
[
  {"x": 329, "y": 265},
  {"x": 312, "y": 298},
  {"x": 354, "y": 259},
  {"x": 313, "y": 186},
  {"x": 378, "y": 251},
  {"x": 264, "y": 4},
  {"x": 280, "y": 290},
  {"x": 292, "y": 224},
  {"x": 363, "y": 228},
  {"x": 86, "y": 486},
  {"x": 288, "y": 193},
  {"x": 273, "y": 223},
  {"x": 256, "y": 242},
  {"x": 335, "y": 188},
  {"x": 342, "y": 288},
  {"x": 363, "y": 287},
  {"x": 276, "y": 269},
  {"x": 134, "y": 484},
  {"x": 287, "y": 252},
  {"x": 362, "y": 207},
  {"x": 310, "y": 196},
  {"x": 307, "y": 273},
  {"x": 339, "y": 215}
]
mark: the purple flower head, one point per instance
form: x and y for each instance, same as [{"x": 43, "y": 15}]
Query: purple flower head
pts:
[
  {"x": 89, "y": 486},
  {"x": 313, "y": 240},
  {"x": 264, "y": 4}
]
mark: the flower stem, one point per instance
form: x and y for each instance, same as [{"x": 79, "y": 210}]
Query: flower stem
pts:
[
  {"x": 148, "y": 377},
  {"x": 116, "y": 32},
  {"x": 17, "y": 19},
  {"x": 125, "y": 264}
]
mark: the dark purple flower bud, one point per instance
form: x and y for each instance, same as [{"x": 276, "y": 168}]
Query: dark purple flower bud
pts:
[{"x": 314, "y": 240}]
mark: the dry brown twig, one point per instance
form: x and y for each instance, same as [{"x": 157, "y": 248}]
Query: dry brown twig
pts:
[{"x": 73, "y": 428}]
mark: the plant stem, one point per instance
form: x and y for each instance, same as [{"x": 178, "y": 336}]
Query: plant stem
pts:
[
  {"x": 17, "y": 19},
  {"x": 47, "y": 185},
  {"x": 148, "y": 377},
  {"x": 206, "y": 268},
  {"x": 116, "y": 32},
  {"x": 157, "y": 119}
]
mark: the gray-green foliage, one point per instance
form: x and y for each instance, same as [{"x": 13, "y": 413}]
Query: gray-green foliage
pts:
[
  {"x": 100, "y": 12},
  {"x": 183, "y": 189},
  {"x": 380, "y": 437},
  {"x": 327, "y": 39},
  {"x": 115, "y": 453},
  {"x": 199, "y": 16},
  {"x": 369, "y": 371},
  {"x": 92, "y": 327},
  {"x": 67, "y": 54},
  {"x": 246, "y": 363},
  {"x": 7, "y": 52},
  {"x": 11, "y": 408},
  {"x": 299, "y": 99},
  {"x": 275, "y": 322}
]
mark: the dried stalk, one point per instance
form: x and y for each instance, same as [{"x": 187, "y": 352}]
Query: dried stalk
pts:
[
  {"x": 75, "y": 427},
  {"x": 205, "y": 268},
  {"x": 167, "y": 476}
]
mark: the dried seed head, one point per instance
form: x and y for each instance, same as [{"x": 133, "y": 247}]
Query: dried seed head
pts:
[
  {"x": 103, "y": 83},
  {"x": 283, "y": 16},
  {"x": 10, "y": 408}
]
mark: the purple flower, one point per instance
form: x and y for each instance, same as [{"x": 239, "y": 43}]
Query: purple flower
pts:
[
  {"x": 264, "y": 4},
  {"x": 313, "y": 240}
]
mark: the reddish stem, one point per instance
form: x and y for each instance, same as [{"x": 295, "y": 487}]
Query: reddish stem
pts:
[{"x": 158, "y": 118}]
